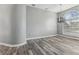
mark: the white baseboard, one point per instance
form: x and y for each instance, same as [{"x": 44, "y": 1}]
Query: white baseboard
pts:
[
  {"x": 15, "y": 45},
  {"x": 9, "y": 45},
  {"x": 70, "y": 36},
  {"x": 40, "y": 37}
]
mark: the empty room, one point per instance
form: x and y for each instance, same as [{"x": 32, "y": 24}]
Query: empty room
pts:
[
  {"x": 39, "y": 29},
  {"x": 52, "y": 29}
]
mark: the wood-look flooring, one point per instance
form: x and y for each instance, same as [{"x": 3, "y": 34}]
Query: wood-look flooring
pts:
[{"x": 57, "y": 45}]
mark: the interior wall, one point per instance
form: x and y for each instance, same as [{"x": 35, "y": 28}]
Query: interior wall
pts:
[
  {"x": 12, "y": 23},
  {"x": 18, "y": 23},
  {"x": 40, "y": 23},
  {"x": 5, "y": 23},
  {"x": 59, "y": 28}
]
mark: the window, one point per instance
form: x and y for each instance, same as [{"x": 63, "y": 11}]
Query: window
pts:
[{"x": 71, "y": 21}]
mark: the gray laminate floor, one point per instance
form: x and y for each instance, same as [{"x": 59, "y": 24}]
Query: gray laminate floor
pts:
[{"x": 57, "y": 45}]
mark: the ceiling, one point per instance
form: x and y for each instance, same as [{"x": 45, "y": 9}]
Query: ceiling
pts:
[{"x": 53, "y": 7}]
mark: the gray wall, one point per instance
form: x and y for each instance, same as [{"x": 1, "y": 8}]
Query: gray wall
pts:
[
  {"x": 18, "y": 28},
  {"x": 40, "y": 23},
  {"x": 12, "y": 24},
  {"x": 59, "y": 28},
  {"x": 5, "y": 23}
]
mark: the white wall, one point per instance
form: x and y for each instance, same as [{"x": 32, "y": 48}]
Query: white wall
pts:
[
  {"x": 18, "y": 28},
  {"x": 19, "y": 24},
  {"x": 5, "y": 23},
  {"x": 40, "y": 23},
  {"x": 12, "y": 24}
]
